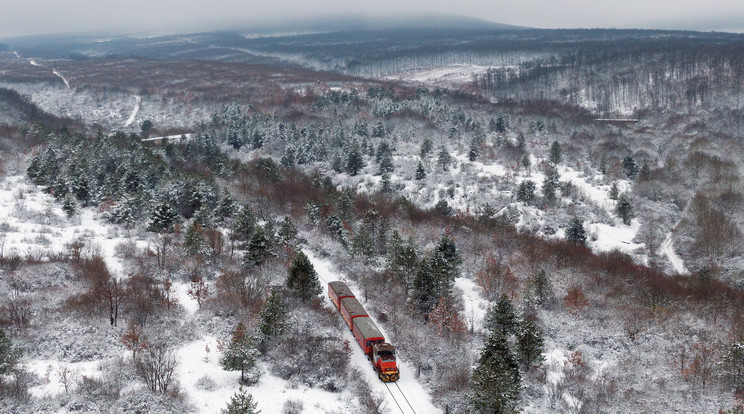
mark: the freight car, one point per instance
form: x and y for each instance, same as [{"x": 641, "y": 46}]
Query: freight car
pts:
[{"x": 366, "y": 333}]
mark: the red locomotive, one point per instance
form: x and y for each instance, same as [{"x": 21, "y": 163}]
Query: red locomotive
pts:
[{"x": 366, "y": 333}]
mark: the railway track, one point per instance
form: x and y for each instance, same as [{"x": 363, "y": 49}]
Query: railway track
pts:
[{"x": 401, "y": 401}]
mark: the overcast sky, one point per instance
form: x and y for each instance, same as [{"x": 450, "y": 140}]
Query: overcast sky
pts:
[{"x": 24, "y": 17}]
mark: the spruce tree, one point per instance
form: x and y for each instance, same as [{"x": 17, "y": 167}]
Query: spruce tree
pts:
[
  {"x": 273, "y": 317},
  {"x": 474, "y": 150},
  {"x": 302, "y": 278},
  {"x": 426, "y": 147},
  {"x": 8, "y": 355},
  {"x": 194, "y": 241},
  {"x": 444, "y": 158},
  {"x": 550, "y": 184},
  {"x": 245, "y": 224},
  {"x": 496, "y": 381},
  {"x": 539, "y": 289},
  {"x": 163, "y": 217},
  {"x": 624, "y": 209},
  {"x": 502, "y": 316},
  {"x": 258, "y": 249},
  {"x": 526, "y": 163},
  {"x": 530, "y": 343},
  {"x": 241, "y": 403},
  {"x": 614, "y": 192},
  {"x": 241, "y": 355},
  {"x": 69, "y": 206},
  {"x": 521, "y": 143},
  {"x": 287, "y": 235},
  {"x": 526, "y": 191},
  {"x": 575, "y": 232},
  {"x": 420, "y": 171},
  {"x": 556, "y": 155},
  {"x": 354, "y": 160},
  {"x": 645, "y": 173},
  {"x": 226, "y": 207},
  {"x": 630, "y": 167}
]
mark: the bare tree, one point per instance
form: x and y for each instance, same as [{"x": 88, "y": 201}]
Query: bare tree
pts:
[{"x": 156, "y": 367}]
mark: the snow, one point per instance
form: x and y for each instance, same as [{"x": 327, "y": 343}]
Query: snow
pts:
[
  {"x": 51, "y": 372},
  {"x": 134, "y": 111},
  {"x": 59, "y": 75},
  {"x": 449, "y": 75},
  {"x": 413, "y": 390},
  {"x": 475, "y": 306},
  {"x": 667, "y": 249},
  {"x": 33, "y": 62},
  {"x": 37, "y": 225},
  {"x": 169, "y": 137}
]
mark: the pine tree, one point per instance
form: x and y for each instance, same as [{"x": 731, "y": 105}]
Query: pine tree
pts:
[
  {"x": 194, "y": 241},
  {"x": 302, "y": 278},
  {"x": 624, "y": 209},
  {"x": 273, "y": 317},
  {"x": 420, "y": 171},
  {"x": 362, "y": 244},
  {"x": 539, "y": 289},
  {"x": 500, "y": 125},
  {"x": 354, "y": 159},
  {"x": 496, "y": 381},
  {"x": 163, "y": 217},
  {"x": 69, "y": 206},
  {"x": 241, "y": 403},
  {"x": 426, "y": 147},
  {"x": 630, "y": 167},
  {"x": 521, "y": 143},
  {"x": 9, "y": 355},
  {"x": 556, "y": 155},
  {"x": 614, "y": 192},
  {"x": 575, "y": 232},
  {"x": 385, "y": 183},
  {"x": 446, "y": 253},
  {"x": 502, "y": 316},
  {"x": 378, "y": 130},
  {"x": 245, "y": 224},
  {"x": 526, "y": 163},
  {"x": 526, "y": 191},
  {"x": 258, "y": 249},
  {"x": 402, "y": 259},
  {"x": 550, "y": 184},
  {"x": 287, "y": 235},
  {"x": 444, "y": 158},
  {"x": 424, "y": 288},
  {"x": 474, "y": 150},
  {"x": 226, "y": 207},
  {"x": 530, "y": 342},
  {"x": 241, "y": 355}
]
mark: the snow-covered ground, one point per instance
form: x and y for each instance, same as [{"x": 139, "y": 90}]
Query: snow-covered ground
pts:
[
  {"x": 450, "y": 75},
  {"x": 136, "y": 108},
  {"x": 411, "y": 388}
]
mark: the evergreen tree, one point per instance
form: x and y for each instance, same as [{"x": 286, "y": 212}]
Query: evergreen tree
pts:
[
  {"x": 526, "y": 191},
  {"x": 362, "y": 243},
  {"x": 426, "y": 147},
  {"x": 526, "y": 163},
  {"x": 630, "y": 167},
  {"x": 446, "y": 253},
  {"x": 287, "y": 235},
  {"x": 500, "y": 125},
  {"x": 624, "y": 209},
  {"x": 245, "y": 224},
  {"x": 444, "y": 159},
  {"x": 443, "y": 208},
  {"x": 496, "y": 381},
  {"x": 502, "y": 316},
  {"x": 424, "y": 292},
  {"x": 241, "y": 355},
  {"x": 302, "y": 278},
  {"x": 530, "y": 343},
  {"x": 226, "y": 207},
  {"x": 241, "y": 403},
  {"x": 258, "y": 249},
  {"x": 474, "y": 150},
  {"x": 385, "y": 184},
  {"x": 402, "y": 259},
  {"x": 69, "y": 206},
  {"x": 378, "y": 130},
  {"x": 614, "y": 192},
  {"x": 550, "y": 184},
  {"x": 9, "y": 355},
  {"x": 382, "y": 150},
  {"x": 354, "y": 159},
  {"x": 521, "y": 143},
  {"x": 273, "y": 317},
  {"x": 556, "y": 155},
  {"x": 575, "y": 232},
  {"x": 420, "y": 171},
  {"x": 539, "y": 289},
  {"x": 194, "y": 241},
  {"x": 163, "y": 217}
]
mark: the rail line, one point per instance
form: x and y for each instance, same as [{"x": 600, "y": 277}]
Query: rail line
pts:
[{"x": 397, "y": 400}]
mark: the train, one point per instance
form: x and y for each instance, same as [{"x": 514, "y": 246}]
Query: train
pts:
[{"x": 366, "y": 333}]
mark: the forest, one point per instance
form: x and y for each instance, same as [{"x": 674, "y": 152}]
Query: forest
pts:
[{"x": 521, "y": 252}]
